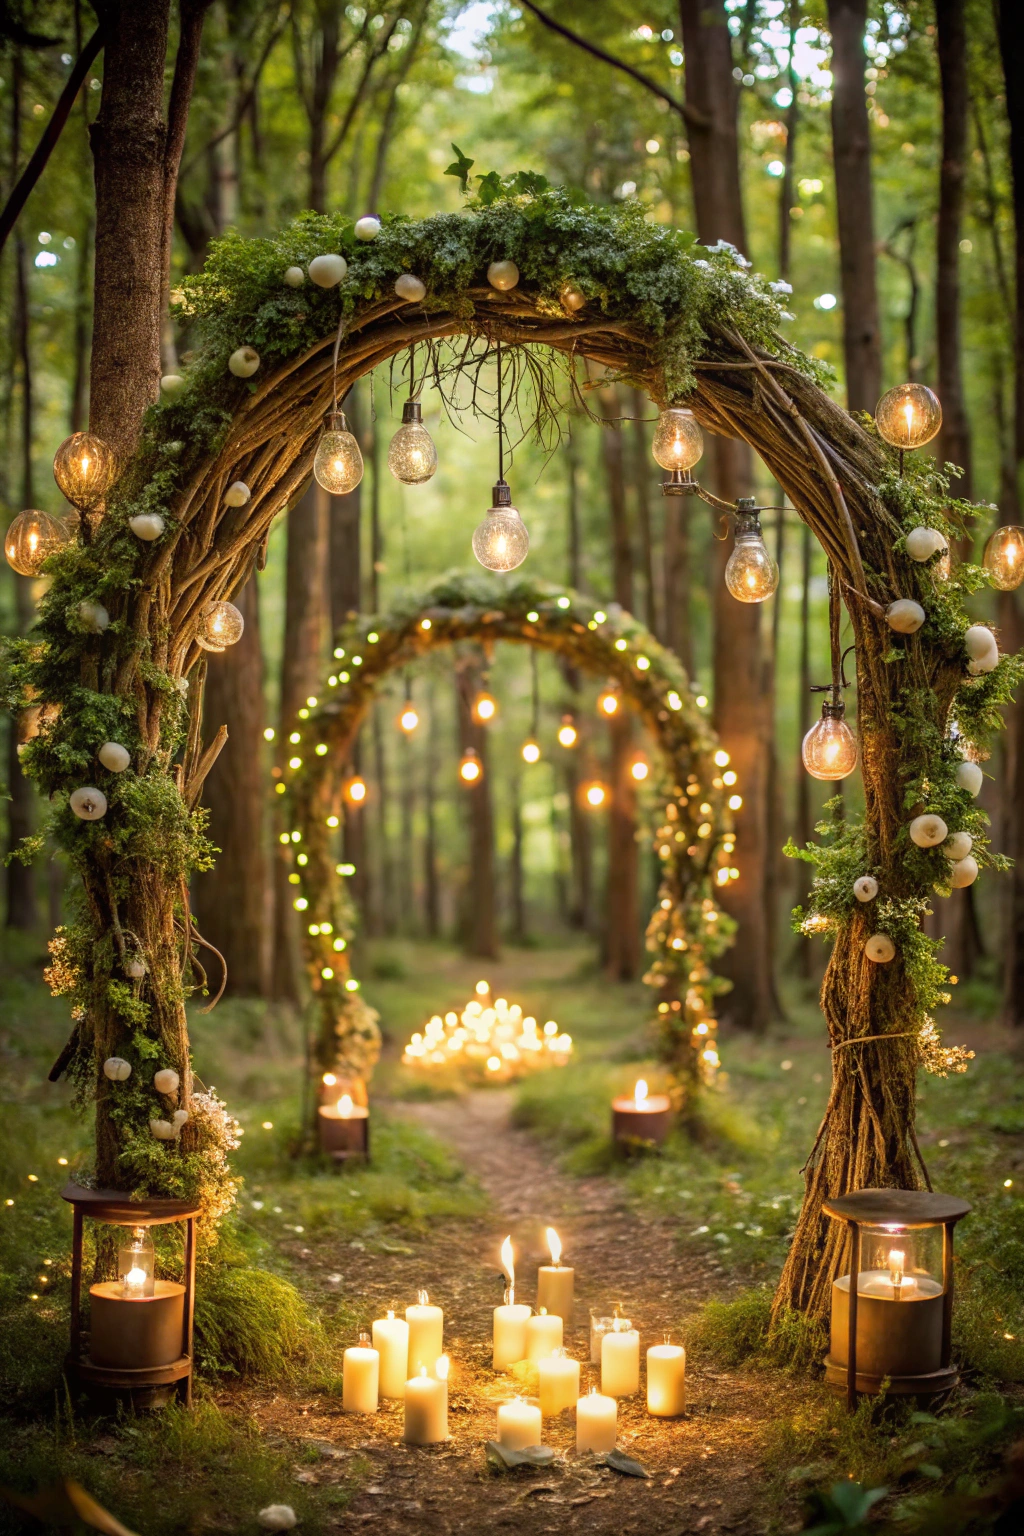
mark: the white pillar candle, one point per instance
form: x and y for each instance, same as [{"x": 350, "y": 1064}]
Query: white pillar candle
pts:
[
  {"x": 666, "y": 1380},
  {"x": 555, "y": 1282},
  {"x": 620, "y": 1362},
  {"x": 509, "y": 1334},
  {"x": 391, "y": 1341},
  {"x": 559, "y": 1383},
  {"x": 426, "y": 1334},
  {"x": 596, "y": 1422},
  {"x": 519, "y": 1424},
  {"x": 426, "y": 1407},
  {"x": 360, "y": 1378},
  {"x": 543, "y": 1336}
]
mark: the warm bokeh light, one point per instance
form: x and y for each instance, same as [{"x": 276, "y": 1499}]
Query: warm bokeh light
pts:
[
  {"x": 408, "y": 719},
  {"x": 640, "y": 1092},
  {"x": 640, "y": 769},
  {"x": 485, "y": 707},
  {"x": 608, "y": 702},
  {"x": 355, "y": 790},
  {"x": 595, "y": 795},
  {"x": 567, "y": 732},
  {"x": 470, "y": 768},
  {"x": 486, "y": 1042},
  {"x": 531, "y": 751}
]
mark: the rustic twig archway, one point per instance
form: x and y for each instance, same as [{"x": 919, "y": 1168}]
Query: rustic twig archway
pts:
[
  {"x": 693, "y": 839},
  {"x": 680, "y": 322}
]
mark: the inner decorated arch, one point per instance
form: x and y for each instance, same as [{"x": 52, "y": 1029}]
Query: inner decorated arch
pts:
[
  {"x": 114, "y": 660},
  {"x": 694, "y": 840}
]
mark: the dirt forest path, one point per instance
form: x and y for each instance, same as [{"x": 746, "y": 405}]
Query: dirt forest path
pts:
[{"x": 705, "y": 1473}]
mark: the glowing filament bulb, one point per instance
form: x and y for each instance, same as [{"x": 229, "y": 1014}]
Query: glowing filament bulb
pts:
[
  {"x": 501, "y": 542},
  {"x": 338, "y": 464},
  {"x": 829, "y": 749},
  {"x": 412, "y": 457},
  {"x": 908, "y": 416},
  {"x": 1004, "y": 558},
  {"x": 751, "y": 574},
  {"x": 678, "y": 441},
  {"x": 220, "y": 626}
]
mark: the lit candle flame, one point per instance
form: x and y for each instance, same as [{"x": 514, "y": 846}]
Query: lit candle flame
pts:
[
  {"x": 422, "y": 1298},
  {"x": 330, "y": 1081},
  {"x": 345, "y": 1106},
  {"x": 897, "y": 1259},
  {"x": 135, "y": 1279},
  {"x": 640, "y": 1093},
  {"x": 508, "y": 1265},
  {"x": 441, "y": 1368},
  {"x": 391, "y": 1314},
  {"x": 555, "y": 1244}
]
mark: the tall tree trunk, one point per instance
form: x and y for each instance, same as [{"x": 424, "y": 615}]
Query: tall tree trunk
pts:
[
  {"x": 22, "y": 910},
  {"x": 479, "y": 921},
  {"x": 676, "y": 627},
  {"x": 129, "y": 142},
  {"x": 383, "y": 911},
  {"x": 230, "y": 897},
  {"x": 851, "y": 152},
  {"x": 573, "y": 546},
  {"x": 517, "y": 892},
  {"x": 742, "y": 701},
  {"x": 623, "y": 942},
  {"x": 305, "y": 624},
  {"x": 1011, "y": 47},
  {"x": 407, "y": 810},
  {"x": 431, "y": 881},
  {"x": 787, "y": 191},
  {"x": 955, "y": 439}
]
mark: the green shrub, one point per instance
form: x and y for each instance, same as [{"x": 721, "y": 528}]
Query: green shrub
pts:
[{"x": 252, "y": 1323}]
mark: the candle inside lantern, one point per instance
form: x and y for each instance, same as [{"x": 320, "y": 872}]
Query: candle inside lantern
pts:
[
  {"x": 345, "y": 1107},
  {"x": 644, "y": 1117},
  {"x": 543, "y": 1336},
  {"x": 426, "y": 1334},
  {"x": 426, "y": 1405},
  {"x": 559, "y": 1383},
  {"x": 897, "y": 1259},
  {"x": 509, "y": 1320},
  {"x": 360, "y": 1377},
  {"x": 555, "y": 1282},
  {"x": 391, "y": 1341},
  {"x": 519, "y": 1424},
  {"x": 666, "y": 1380},
  {"x": 596, "y": 1422},
  {"x": 344, "y": 1127},
  {"x": 620, "y": 1361}
]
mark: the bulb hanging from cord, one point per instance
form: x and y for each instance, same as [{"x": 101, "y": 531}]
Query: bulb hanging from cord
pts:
[
  {"x": 829, "y": 749},
  {"x": 338, "y": 465},
  {"x": 678, "y": 441},
  {"x": 471, "y": 769},
  {"x": 408, "y": 720},
  {"x": 750, "y": 573},
  {"x": 501, "y": 542},
  {"x": 485, "y": 707},
  {"x": 567, "y": 732},
  {"x": 412, "y": 456}
]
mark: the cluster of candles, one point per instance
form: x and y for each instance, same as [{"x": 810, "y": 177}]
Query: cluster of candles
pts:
[
  {"x": 404, "y": 1359},
  {"x": 496, "y": 1037}
]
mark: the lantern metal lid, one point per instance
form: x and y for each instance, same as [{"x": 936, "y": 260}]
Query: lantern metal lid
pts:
[{"x": 894, "y": 1325}]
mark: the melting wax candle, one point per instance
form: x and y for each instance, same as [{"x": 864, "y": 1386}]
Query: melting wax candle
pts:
[
  {"x": 555, "y": 1282},
  {"x": 426, "y": 1334}
]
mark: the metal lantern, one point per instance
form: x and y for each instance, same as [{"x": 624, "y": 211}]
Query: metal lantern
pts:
[
  {"x": 85, "y": 468},
  {"x": 892, "y": 1313},
  {"x": 139, "y": 1335}
]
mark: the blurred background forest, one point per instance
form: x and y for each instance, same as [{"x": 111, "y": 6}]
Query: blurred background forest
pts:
[{"x": 720, "y": 117}]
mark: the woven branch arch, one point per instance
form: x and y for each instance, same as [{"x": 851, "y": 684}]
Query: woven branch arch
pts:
[
  {"x": 693, "y": 840},
  {"x": 684, "y": 324}
]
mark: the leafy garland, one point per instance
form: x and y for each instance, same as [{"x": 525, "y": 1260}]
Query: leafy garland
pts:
[{"x": 694, "y": 839}]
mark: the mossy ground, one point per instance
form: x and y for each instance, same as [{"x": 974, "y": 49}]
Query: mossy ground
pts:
[{"x": 706, "y": 1222}]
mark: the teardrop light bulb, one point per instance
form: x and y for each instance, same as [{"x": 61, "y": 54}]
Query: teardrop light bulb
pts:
[
  {"x": 750, "y": 573},
  {"x": 829, "y": 749},
  {"x": 501, "y": 541},
  {"x": 1004, "y": 558},
  {"x": 678, "y": 441},
  {"x": 412, "y": 457},
  {"x": 338, "y": 465}
]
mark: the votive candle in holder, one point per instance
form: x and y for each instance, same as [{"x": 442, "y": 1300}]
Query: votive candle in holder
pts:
[
  {"x": 519, "y": 1424},
  {"x": 426, "y": 1406},
  {"x": 509, "y": 1319},
  {"x": 599, "y": 1326},
  {"x": 543, "y": 1336},
  {"x": 360, "y": 1377},
  {"x": 620, "y": 1361},
  {"x": 555, "y": 1282},
  {"x": 596, "y": 1422},
  {"x": 391, "y": 1341},
  {"x": 559, "y": 1383},
  {"x": 666, "y": 1380},
  {"x": 426, "y": 1334}
]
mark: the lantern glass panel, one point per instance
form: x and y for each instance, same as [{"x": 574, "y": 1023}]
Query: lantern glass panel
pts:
[{"x": 136, "y": 1263}]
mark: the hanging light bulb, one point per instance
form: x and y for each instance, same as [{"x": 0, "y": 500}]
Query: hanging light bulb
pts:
[
  {"x": 84, "y": 468},
  {"x": 408, "y": 720},
  {"x": 221, "y": 625},
  {"x": 485, "y": 707},
  {"x": 1003, "y": 558},
  {"x": 531, "y": 751},
  {"x": 501, "y": 541},
  {"x": 608, "y": 701},
  {"x": 567, "y": 732},
  {"x": 355, "y": 789},
  {"x": 595, "y": 795},
  {"x": 678, "y": 443},
  {"x": 908, "y": 416},
  {"x": 338, "y": 465},
  {"x": 829, "y": 749},
  {"x": 412, "y": 457},
  {"x": 31, "y": 538},
  {"x": 471, "y": 769},
  {"x": 750, "y": 573}
]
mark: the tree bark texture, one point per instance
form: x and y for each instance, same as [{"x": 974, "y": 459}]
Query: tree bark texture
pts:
[
  {"x": 955, "y": 438},
  {"x": 623, "y": 943},
  {"x": 713, "y": 94},
  {"x": 230, "y": 898},
  {"x": 851, "y": 154}
]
